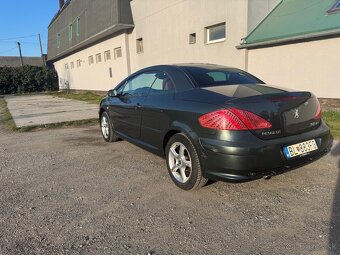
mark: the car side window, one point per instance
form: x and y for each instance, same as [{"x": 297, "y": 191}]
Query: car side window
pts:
[
  {"x": 162, "y": 85},
  {"x": 138, "y": 85}
]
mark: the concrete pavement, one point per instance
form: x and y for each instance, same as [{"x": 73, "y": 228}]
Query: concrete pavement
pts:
[{"x": 35, "y": 110}]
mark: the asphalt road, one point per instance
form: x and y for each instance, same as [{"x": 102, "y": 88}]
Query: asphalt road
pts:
[{"x": 66, "y": 191}]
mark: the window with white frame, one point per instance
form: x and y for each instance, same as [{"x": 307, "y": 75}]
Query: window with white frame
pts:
[
  {"x": 78, "y": 63},
  {"x": 107, "y": 55},
  {"x": 72, "y": 65},
  {"x": 98, "y": 58},
  {"x": 66, "y": 66},
  {"x": 216, "y": 33},
  {"x": 118, "y": 52}
]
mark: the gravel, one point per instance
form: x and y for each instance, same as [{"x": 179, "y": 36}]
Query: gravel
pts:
[{"x": 66, "y": 191}]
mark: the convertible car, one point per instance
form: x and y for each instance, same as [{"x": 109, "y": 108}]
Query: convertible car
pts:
[{"x": 214, "y": 122}]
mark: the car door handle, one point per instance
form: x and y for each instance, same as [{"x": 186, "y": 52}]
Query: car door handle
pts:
[{"x": 138, "y": 106}]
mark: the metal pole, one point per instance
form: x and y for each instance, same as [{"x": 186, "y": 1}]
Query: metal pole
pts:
[
  {"x": 21, "y": 60},
  {"x": 41, "y": 51}
]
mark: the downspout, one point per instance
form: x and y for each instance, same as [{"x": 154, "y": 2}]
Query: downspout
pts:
[
  {"x": 127, "y": 52},
  {"x": 246, "y": 60}
]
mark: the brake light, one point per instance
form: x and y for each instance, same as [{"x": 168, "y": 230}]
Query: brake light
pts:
[
  {"x": 233, "y": 119},
  {"x": 318, "y": 112}
]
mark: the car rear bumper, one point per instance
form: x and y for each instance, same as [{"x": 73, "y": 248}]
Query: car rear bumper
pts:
[{"x": 256, "y": 158}]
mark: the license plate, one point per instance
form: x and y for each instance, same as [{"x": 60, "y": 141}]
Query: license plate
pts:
[{"x": 300, "y": 149}]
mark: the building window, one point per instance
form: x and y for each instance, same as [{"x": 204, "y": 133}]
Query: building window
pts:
[
  {"x": 58, "y": 41},
  {"x": 110, "y": 72},
  {"x": 72, "y": 65},
  {"x": 78, "y": 63},
  {"x": 335, "y": 8},
  {"x": 216, "y": 33},
  {"x": 107, "y": 55},
  {"x": 91, "y": 60},
  {"x": 192, "y": 38},
  {"x": 140, "y": 47},
  {"x": 66, "y": 66},
  {"x": 98, "y": 58},
  {"x": 78, "y": 27},
  {"x": 70, "y": 32},
  {"x": 118, "y": 52}
]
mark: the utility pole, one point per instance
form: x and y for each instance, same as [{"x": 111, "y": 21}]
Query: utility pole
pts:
[
  {"x": 21, "y": 60},
  {"x": 41, "y": 51}
]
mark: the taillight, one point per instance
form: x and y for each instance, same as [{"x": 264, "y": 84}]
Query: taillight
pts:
[
  {"x": 233, "y": 119},
  {"x": 318, "y": 112}
]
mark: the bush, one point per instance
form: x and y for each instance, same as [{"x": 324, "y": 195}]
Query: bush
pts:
[{"x": 27, "y": 79}]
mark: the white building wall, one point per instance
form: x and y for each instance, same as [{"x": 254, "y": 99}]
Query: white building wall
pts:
[
  {"x": 165, "y": 27},
  {"x": 311, "y": 66},
  {"x": 95, "y": 76}
]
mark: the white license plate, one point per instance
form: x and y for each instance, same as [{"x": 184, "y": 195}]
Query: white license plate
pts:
[{"x": 300, "y": 149}]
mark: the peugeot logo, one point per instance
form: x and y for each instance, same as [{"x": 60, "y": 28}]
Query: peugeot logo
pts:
[{"x": 296, "y": 113}]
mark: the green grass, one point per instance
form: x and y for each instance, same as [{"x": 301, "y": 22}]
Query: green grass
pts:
[
  {"x": 332, "y": 119},
  {"x": 84, "y": 96},
  {"x": 6, "y": 116}
]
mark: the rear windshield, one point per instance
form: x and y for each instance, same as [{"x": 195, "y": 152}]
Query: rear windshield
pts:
[{"x": 209, "y": 77}]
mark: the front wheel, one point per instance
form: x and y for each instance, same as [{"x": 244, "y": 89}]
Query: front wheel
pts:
[
  {"x": 106, "y": 128},
  {"x": 183, "y": 163}
]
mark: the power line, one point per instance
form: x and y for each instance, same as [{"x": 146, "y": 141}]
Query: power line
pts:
[
  {"x": 20, "y": 37},
  {"x": 9, "y": 50}
]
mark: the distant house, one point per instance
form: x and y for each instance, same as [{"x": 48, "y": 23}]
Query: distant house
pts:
[
  {"x": 15, "y": 61},
  {"x": 297, "y": 46}
]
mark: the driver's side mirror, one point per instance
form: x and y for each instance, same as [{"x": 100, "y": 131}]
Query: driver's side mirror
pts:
[{"x": 112, "y": 93}]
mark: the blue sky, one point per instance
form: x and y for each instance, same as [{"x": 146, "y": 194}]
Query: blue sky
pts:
[{"x": 25, "y": 18}]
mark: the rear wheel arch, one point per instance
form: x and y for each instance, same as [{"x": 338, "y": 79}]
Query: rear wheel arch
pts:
[
  {"x": 168, "y": 136},
  {"x": 176, "y": 128}
]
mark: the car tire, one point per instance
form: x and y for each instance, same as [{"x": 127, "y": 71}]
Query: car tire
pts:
[
  {"x": 183, "y": 163},
  {"x": 107, "y": 129}
]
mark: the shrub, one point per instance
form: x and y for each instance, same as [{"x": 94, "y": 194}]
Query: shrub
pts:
[{"x": 27, "y": 79}]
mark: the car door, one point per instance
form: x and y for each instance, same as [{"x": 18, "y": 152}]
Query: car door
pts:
[
  {"x": 155, "y": 114},
  {"x": 125, "y": 112}
]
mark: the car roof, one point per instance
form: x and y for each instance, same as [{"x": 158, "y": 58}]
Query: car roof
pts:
[{"x": 186, "y": 66}]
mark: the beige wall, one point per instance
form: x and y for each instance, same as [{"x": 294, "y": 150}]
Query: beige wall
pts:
[
  {"x": 95, "y": 76},
  {"x": 312, "y": 66},
  {"x": 165, "y": 27}
]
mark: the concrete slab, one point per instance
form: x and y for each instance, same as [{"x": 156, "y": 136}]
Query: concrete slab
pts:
[{"x": 43, "y": 109}]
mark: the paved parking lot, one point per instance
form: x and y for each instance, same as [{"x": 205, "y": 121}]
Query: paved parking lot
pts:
[
  {"x": 32, "y": 110},
  {"x": 65, "y": 191}
]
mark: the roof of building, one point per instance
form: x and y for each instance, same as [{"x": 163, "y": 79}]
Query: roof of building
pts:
[
  {"x": 293, "y": 20},
  {"x": 15, "y": 61}
]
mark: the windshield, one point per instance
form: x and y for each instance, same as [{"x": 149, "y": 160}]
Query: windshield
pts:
[{"x": 204, "y": 77}]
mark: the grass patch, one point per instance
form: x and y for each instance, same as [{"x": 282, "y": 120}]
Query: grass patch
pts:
[
  {"x": 85, "y": 96},
  {"x": 332, "y": 118},
  {"x": 6, "y": 116}
]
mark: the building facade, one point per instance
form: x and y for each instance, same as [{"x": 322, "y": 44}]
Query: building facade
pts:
[
  {"x": 94, "y": 44},
  {"x": 297, "y": 46}
]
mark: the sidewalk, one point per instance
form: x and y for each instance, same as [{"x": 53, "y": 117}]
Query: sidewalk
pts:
[{"x": 35, "y": 110}]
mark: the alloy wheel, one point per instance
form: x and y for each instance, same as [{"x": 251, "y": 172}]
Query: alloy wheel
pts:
[{"x": 180, "y": 162}]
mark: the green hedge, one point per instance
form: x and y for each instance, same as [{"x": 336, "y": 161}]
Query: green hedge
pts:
[{"x": 27, "y": 79}]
